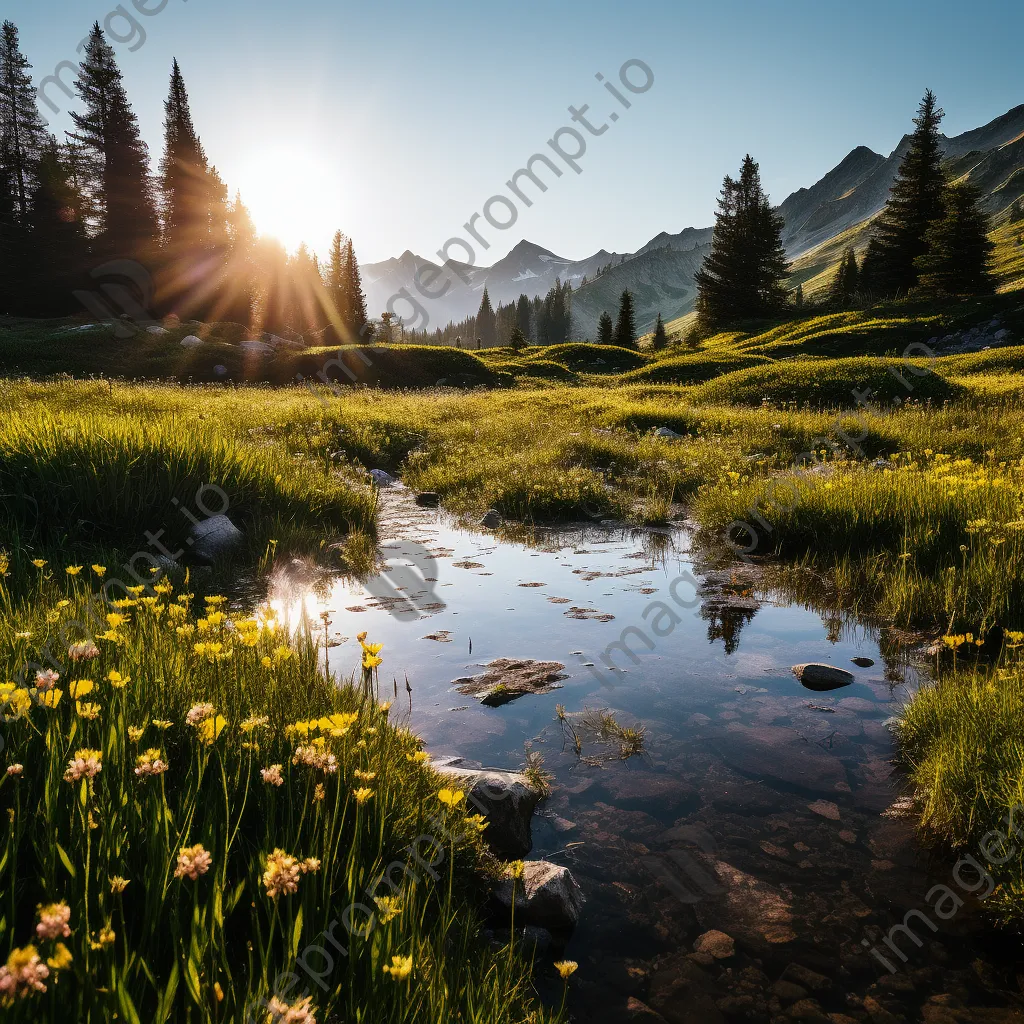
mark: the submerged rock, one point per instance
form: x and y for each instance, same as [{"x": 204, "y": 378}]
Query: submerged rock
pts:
[
  {"x": 547, "y": 896},
  {"x": 428, "y": 499},
  {"x": 505, "y": 799},
  {"x": 509, "y": 678},
  {"x": 862, "y": 662},
  {"x": 822, "y": 677},
  {"x": 214, "y": 538},
  {"x": 716, "y": 944},
  {"x": 491, "y": 519}
]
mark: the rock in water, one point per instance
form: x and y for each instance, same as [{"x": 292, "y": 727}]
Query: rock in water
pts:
[
  {"x": 428, "y": 499},
  {"x": 509, "y": 678},
  {"x": 716, "y": 944},
  {"x": 547, "y": 896},
  {"x": 505, "y": 799},
  {"x": 491, "y": 520},
  {"x": 862, "y": 662},
  {"x": 822, "y": 677},
  {"x": 191, "y": 342},
  {"x": 382, "y": 478},
  {"x": 213, "y": 538}
]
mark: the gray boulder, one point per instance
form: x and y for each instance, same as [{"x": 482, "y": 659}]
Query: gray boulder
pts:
[
  {"x": 822, "y": 677},
  {"x": 505, "y": 799},
  {"x": 666, "y": 432},
  {"x": 259, "y": 348},
  {"x": 547, "y": 896},
  {"x": 382, "y": 478},
  {"x": 213, "y": 538},
  {"x": 491, "y": 520},
  {"x": 191, "y": 341},
  {"x": 428, "y": 499}
]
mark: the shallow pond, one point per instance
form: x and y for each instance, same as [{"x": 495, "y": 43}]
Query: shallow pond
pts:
[{"x": 757, "y": 807}]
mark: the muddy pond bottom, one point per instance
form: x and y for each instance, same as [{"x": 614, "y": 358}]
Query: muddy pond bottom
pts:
[{"x": 757, "y": 808}]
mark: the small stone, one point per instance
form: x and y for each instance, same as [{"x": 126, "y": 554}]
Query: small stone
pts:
[
  {"x": 491, "y": 519},
  {"x": 848, "y": 837},
  {"x": 822, "y": 677},
  {"x": 789, "y": 991},
  {"x": 807, "y": 1011},
  {"x": 546, "y": 896},
  {"x": 213, "y": 538},
  {"x": 382, "y": 478},
  {"x": 878, "y": 1013},
  {"x": 810, "y": 980},
  {"x": 190, "y": 342},
  {"x": 641, "y": 1013},
  {"x": 825, "y": 808},
  {"x": 716, "y": 944},
  {"x": 428, "y": 499},
  {"x": 862, "y": 662}
]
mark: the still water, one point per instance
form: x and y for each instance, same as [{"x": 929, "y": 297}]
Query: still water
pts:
[{"x": 757, "y": 808}]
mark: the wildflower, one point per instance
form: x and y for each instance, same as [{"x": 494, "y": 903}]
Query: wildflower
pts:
[
  {"x": 46, "y": 679},
  {"x": 150, "y": 763},
  {"x": 210, "y": 729},
  {"x": 16, "y": 701},
  {"x": 418, "y": 757},
  {"x": 389, "y": 907},
  {"x": 73, "y": 570},
  {"x": 279, "y": 1012},
  {"x": 23, "y": 974},
  {"x": 136, "y": 591},
  {"x": 272, "y": 775},
  {"x": 193, "y": 861},
  {"x": 319, "y": 793},
  {"x": 106, "y": 937},
  {"x": 255, "y": 722},
  {"x": 400, "y": 968},
  {"x": 215, "y": 599},
  {"x": 385, "y": 706},
  {"x": 361, "y": 636},
  {"x": 364, "y": 776},
  {"x": 15, "y": 770},
  {"x": 23, "y": 635},
  {"x": 86, "y": 764},
  {"x": 266, "y": 662},
  {"x": 39, "y": 562},
  {"x": 81, "y": 688},
  {"x": 53, "y": 921},
  {"x": 100, "y": 570},
  {"x": 514, "y": 869},
  {"x": 162, "y": 724},
  {"x": 282, "y": 874},
  {"x": 110, "y": 635},
  {"x": 312, "y": 757},
  {"x": 90, "y": 712},
  {"x": 135, "y": 733},
  {"x": 199, "y": 713},
  {"x": 51, "y": 698},
  {"x": 566, "y": 968},
  {"x": 283, "y": 654},
  {"x": 218, "y": 991},
  {"x": 185, "y": 631},
  {"x": 61, "y": 959},
  {"x": 84, "y": 650},
  {"x": 362, "y": 794},
  {"x": 118, "y": 884},
  {"x": 451, "y": 798},
  {"x": 371, "y": 661}
]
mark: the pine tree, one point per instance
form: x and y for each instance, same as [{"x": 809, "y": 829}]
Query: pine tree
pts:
[
  {"x": 337, "y": 283},
  {"x": 846, "y": 283},
  {"x": 959, "y": 252},
  {"x": 109, "y": 131},
  {"x": 660, "y": 339},
  {"x": 22, "y": 132},
  {"x": 1016, "y": 212},
  {"x": 798, "y": 297},
  {"x": 518, "y": 340},
  {"x": 485, "y": 325},
  {"x": 13, "y": 249},
  {"x": 56, "y": 236},
  {"x": 915, "y": 202},
  {"x": 742, "y": 275},
  {"x": 184, "y": 174},
  {"x": 605, "y": 330},
  {"x": 356, "y": 299},
  {"x": 524, "y": 316},
  {"x": 625, "y": 325}
]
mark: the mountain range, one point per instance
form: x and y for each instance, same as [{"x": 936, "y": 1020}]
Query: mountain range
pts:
[{"x": 660, "y": 274}]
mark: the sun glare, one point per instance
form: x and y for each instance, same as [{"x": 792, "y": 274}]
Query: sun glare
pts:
[{"x": 292, "y": 195}]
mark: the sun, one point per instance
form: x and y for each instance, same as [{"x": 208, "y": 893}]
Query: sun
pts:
[{"x": 292, "y": 194}]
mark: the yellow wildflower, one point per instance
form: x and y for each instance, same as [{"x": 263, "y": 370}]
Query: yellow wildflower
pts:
[
  {"x": 566, "y": 968},
  {"x": 81, "y": 688},
  {"x": 451, "y": 798},
  {"x": 51, "y": 698},
  {"x": 210, "y": 730},
  {"x": 400, "y": 968},
  {"x": 362, "y": 794},
  {"x": 100, "y": 570},
  {"x": 73, "y": 570},
  {"x": 61, "y": 959},
  {"x": 116, "y": 680}
]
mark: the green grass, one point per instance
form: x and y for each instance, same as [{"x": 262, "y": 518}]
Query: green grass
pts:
[{"x": 218, "y": 947}]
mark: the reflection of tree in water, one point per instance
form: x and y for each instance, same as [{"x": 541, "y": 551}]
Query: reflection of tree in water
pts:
[{"x": 726, "y": 622}]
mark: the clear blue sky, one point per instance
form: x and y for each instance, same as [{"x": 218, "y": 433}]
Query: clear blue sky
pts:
[{"x": 397, "y": 120}]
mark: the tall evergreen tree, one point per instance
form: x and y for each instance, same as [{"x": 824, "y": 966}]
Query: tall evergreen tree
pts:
[
  {"x": 915, "y": 203},
  {"x": 23, "y": 135},
  {"x": 660, "y": 339},
  {"x": 485, "y": 322},
  {"x": 13, "y": 248},
  {"x": 625, "y": 325},
  {"x": 337, "y": 281},
  {"x": 742, "y": 275},
  {"x": 605, "y": 330},
  {"x": 524, "y": 316},
  {"x": 357, "y": 318},
  {"x": 109, "y": 131},
  {"x": 959, "y": 252},
  {"x": 798, "y": 297},
  {"x": 846, "y": 283},
  {"x": 517, "y": 341}
]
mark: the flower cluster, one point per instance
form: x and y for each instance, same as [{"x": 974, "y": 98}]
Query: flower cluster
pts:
[
  {"x": 23, "y": 974},
  {"x": 150, "y": 763},
  {"x": 272, "y": 775},
  {"x": 86, "y": 764},
  {"x": 279, "y": 1012},
  {"x": 284, "y": 871},
  {"x": 193, "y": 861},
  {"x": 315, "y": 757},
  {"x": 53, "y": 921}
]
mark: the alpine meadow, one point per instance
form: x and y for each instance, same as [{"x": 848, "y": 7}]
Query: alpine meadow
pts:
[{"x": 632, "y": 637}]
